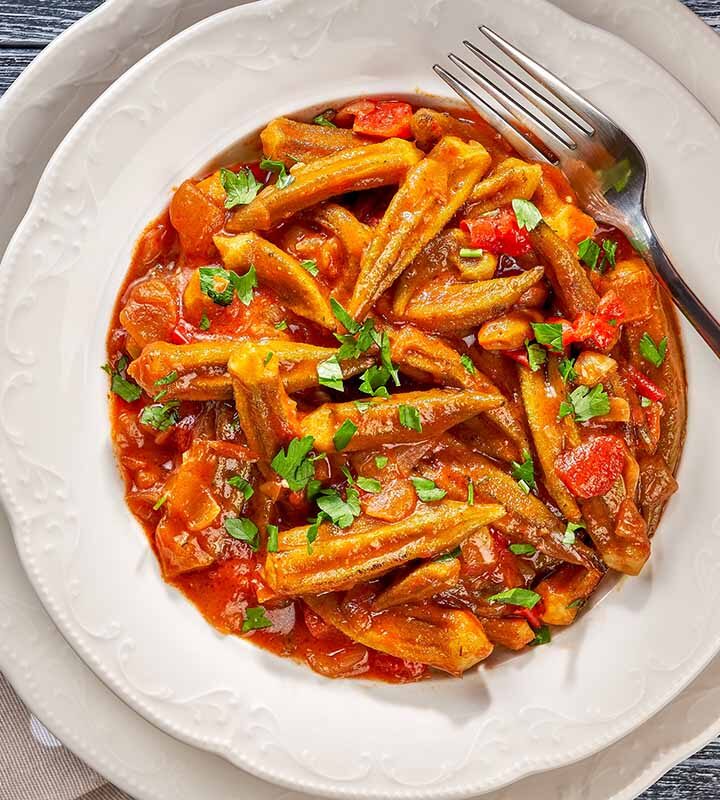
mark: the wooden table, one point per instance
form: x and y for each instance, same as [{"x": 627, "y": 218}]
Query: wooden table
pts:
[{"x": 26, "y": 26}]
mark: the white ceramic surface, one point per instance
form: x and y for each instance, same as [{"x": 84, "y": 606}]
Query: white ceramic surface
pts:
[{"x": 545, "y": 776}]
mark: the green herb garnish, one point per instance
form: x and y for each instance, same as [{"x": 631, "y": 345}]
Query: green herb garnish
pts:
[
  {"x": 537, "y": 355},
  {"x": 120, "y": 384},
  {"x": 584, "y": 403},
  {"x": 524, "y": 473},
  {"x": 526, "y": 214},
  {"x": 160, "y": 416},
  {"x": 330, "y": 374},
  {"x": 295, "y": 466},
  {"x": 428, "y": 491},
  {"x": 369, "y": 485},
  {"x": 272, "y": 538},
  {"x": 243, "y": 529},
  {"x": 242, "y": 485},
  {"x": 468, "y": 364},
  {"x": 517, "y": 597},
  {"x": 549, "y": 334},
  {"x": 542, "y": 636},
  {"x": 284, "y": 178},
  {"x": 522, "y": 549},
  {"x": 344, "y": 434},
  {"x": 569, "y": 535},
  {"x": 241, "y": 188},
  {"x": 410, "y": 418},
  {"x": 255, "y": 619},
  {"x": 654, "y": 353}
]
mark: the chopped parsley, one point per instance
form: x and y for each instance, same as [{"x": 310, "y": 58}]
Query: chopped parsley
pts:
[
  {"x": 120, "y": 384},
  {"x": 268, "y": 358},
  {"x": 310, "y": 265},
  {"x": 241, "y": 188},
  {"x": 161, "y": 502},
  {"x": 549, "y": 334},
  {"x": 589, "y": 252},
  {"x": 373, "y": 381},
  {"x": 577, "y": 603},
  {"x": 220, "y": 285},
  {"x": 371, "y": 485},
  {"x": 615, "y": 177},
  {"x": 524, "y": 473},
  {"x": 342, "y": 316},
  {"x": 284, "y": 178},
  {"x": 654, "y": 353},
  {"x": 428, "y": 491},
  {"x": 569, "y": 535},
  {"x": 584, "y": 403},
  {"x": 471, "y": 252},
  {"x": 330, "y": 374},
  {"x": 645, "y": 402},
  {"x": 339, "y": 511},
  {"x": 272, "y": 538},
  {"x": 526, "y": 214},
  {"x": 381, "y": 461},
  {"x": 171, "y": 377},
  {"x": 239, "y": 483},
  {"x": 522, "y": 549},
  {"x": 326, "y": 118},
  {"x": 255, "y": 619},
  {"x": 517, "y": 597},
  {"x": 610, "y": 250},
  {"x": 281, "y": 326},
  {"x": 450, "y": 556},
  {"x": 566, "y": 367},
  {"x": 467, "y": 363},
  {"x": 160, "y": 416},
  {"x": 542, "y": 636},
  {"x": 243, "y": 529},
  {"x": 537, "y": 355},
  {"x": 294, "y": 465},
  {"x": 410, "y": 418},
  {"x": 204, "y": 323},
  {"x": 384, "y": 344},
  {"x": 344, "y": 434},
  {"x": 244, "y": 285},
  {"x": 470, "y": 494}
]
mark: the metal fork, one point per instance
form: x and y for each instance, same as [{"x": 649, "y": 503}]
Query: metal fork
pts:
[{"x": 604, "y": 166}]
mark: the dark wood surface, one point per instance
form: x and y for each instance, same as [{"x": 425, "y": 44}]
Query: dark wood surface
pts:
[{"x": 26, "y": 26}]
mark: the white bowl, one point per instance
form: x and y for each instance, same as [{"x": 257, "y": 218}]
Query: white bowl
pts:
[{"x": 87, "y": 557}]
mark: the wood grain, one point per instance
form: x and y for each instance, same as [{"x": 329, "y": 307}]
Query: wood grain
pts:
[{"x": 26, "y": 26}]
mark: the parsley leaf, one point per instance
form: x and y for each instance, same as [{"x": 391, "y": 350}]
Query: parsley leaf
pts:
[
  {"x": 615, "y": 177},
  {"x": 340, "y": 512},
  {"x": 645, "y": 402},
  {"x": 537, "y": 355},
  {"x": 410, "y": 418},
  {"x": 381, "y": 461},
  {"x": 371, "y": 485},
  {"x": 330, "y": 374},
  {"x": 268, "y": 358},
  {"x": 373, "y": 381},
  {"x": 204, "y": 323},
  {"x": 450, "y": 556},
  {"x": 243, "y": 529},
  {"x": 244, "y": 285},
  {"x": 160, "y": 416},
  {"x": 517, "y": 597},
  {"x": 585, "y": 403},
  {"x": 384, "y": 344},
  {"x": 255, "y": 619},
  {"x": 171, "y": 377},
  {"x": 284, "y": 178},
  {"x": 654, "y": 353},
  {"x": 342, "y": 316},
  {"x": 272, "y": 538},
  {"x": 294, "y": 466},
  {"x": 344, "y": 434},
  {"x": 572, "y": 527},
  {"x": 161, "y": 502},
  {"x": 362, "y": 405},
  {"x": 325, "y": 118},
  {"x": 238, "y": 482},
  {"x": 120, "y": 383},
  {"x": 526, "y": 214},
  {"x": 610, "y": 250},
  {"x": 468, "y": 364},
  {"x": 241, "y": 187},
  {"x": 522, "y": 549},
  {"x": 310, "y": 265},
  {"x": 524, "y": 473},
  {"x": 312, "y": 532},
  {"x": 566, "y": 367},
  {"x": 588, "y": 252},
  {"x": 471, "y": 252},
  {"x": 217, "y": 284},
  {"x": 470, "y": 494},
  {"x": 281, "y": 326},
  {"x": 550, "y": 334},
  {"x": 428, "y": 491},
  {"x": 542, "y": 636},
  {"x": 577, "y": 603}
]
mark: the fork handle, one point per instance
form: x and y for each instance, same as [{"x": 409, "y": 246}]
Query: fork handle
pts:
[{"x": 694, "y": 310}]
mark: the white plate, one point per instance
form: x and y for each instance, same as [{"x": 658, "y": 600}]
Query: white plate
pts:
[{"x": 190, "y": 795}]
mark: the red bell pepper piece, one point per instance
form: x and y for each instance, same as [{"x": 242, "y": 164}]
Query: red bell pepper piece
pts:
[
  {"x": 498, "y": 233},
  {"x": 591, "y": 469},
  {"x": 643, "y": 385},
  {"x": 532, "y": 615},
  {"x": 382, "y": 118}
]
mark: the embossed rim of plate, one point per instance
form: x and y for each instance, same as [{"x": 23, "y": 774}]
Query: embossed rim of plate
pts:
[{"x": 31, "y": 212}]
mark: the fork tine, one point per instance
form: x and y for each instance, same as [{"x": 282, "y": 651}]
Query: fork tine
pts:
[
  {"x": 574, "y": 101},
  {"x": 547, "y": 136},
  {"x": 555, "y": 113},
  {"x": 492, "y": 117}
]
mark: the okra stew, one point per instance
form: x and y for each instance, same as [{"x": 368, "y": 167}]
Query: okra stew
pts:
[{"x": 385, "y": 398}]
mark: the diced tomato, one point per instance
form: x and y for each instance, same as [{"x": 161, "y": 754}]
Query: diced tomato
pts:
[
  {"x": 600, "y": 330},
  {"x": 498, "y": 233},
  {"x": 397, "y": 669},
  {"x": 382, "y": 118},
  {"x": 643, "y": 385},
  {"x": 591, "y": 469},
  {"x": 196, "y": 219},
  {"x": 519, "y": 355}
]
